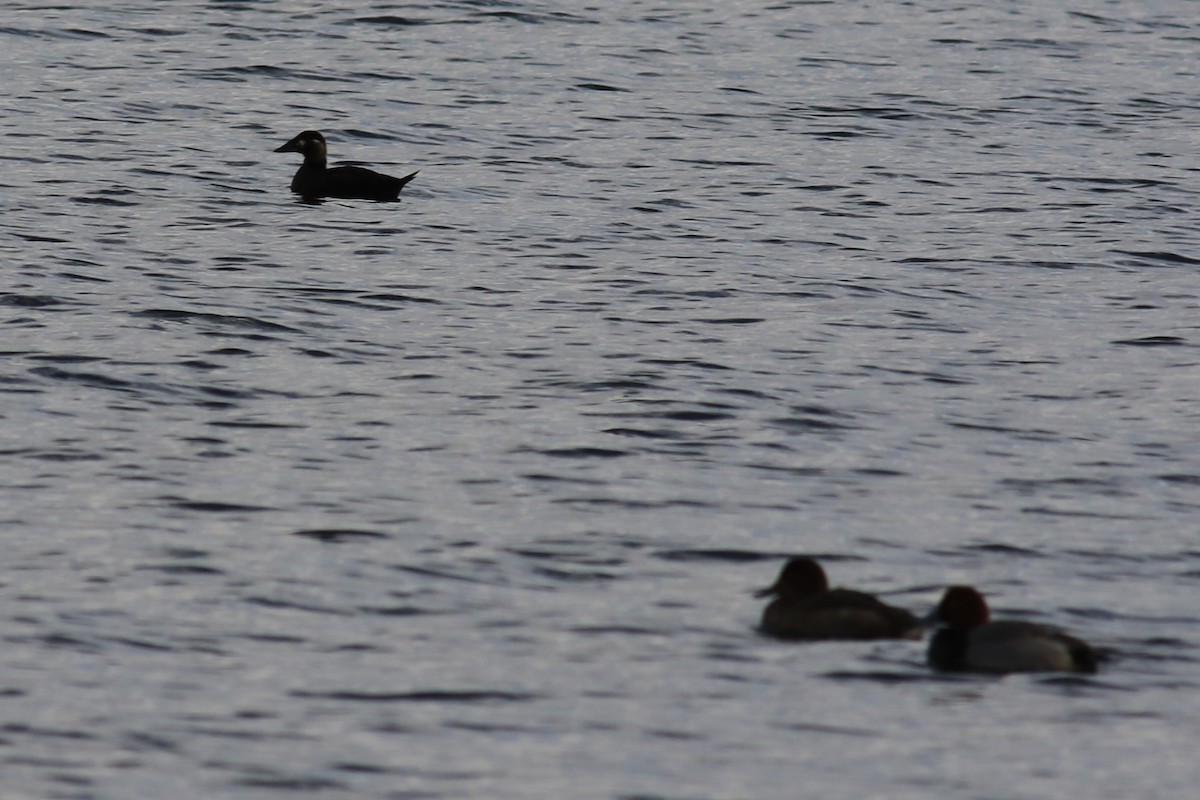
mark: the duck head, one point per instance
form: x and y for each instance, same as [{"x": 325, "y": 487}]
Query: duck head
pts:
[
  {"x": 310, "y": 144},
  {"x": 800, "y": 577},
  {"x": 962, "y": 608}
]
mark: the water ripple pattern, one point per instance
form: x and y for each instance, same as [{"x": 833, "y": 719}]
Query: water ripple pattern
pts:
[{"x": 466, "y": 497}]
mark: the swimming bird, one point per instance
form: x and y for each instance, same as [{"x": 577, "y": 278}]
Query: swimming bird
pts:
[
  {"x": 806, "y": 608},
  {"x": 314, "y": 179},
  {"x": 965, "y": 640}
]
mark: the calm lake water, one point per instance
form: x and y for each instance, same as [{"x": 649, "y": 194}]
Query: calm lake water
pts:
[{"x": 466, "y": 497}]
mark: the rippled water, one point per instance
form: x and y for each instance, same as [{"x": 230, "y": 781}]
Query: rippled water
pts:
[{"x": 465, "y": 497}]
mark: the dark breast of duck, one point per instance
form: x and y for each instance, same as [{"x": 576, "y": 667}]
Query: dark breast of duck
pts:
[{"x": 315, "y": 179}]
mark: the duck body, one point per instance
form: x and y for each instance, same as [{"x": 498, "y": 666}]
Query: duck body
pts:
[
  {"x": 967, "y": 641},
  {"x": 805, "y": 608},
  {"x": 315, "y": 179}
]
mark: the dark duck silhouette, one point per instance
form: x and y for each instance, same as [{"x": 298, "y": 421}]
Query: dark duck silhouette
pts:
[
  {"x": 806, "y": 608},
  {"x": 314, "y": 179}
]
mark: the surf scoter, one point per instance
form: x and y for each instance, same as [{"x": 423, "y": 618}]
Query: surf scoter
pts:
[{"x": 314, "y": 179}]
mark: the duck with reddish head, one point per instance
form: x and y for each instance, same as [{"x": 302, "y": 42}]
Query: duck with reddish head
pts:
[
  {"x": 805, "y": 608},
  {"x": 965, "y": 640}
]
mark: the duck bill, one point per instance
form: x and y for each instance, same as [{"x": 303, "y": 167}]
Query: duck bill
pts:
[
  {"x": 291, "y": 147},
  {"x": 931, "y": 620},
  {"x": 767, "y": 592}
]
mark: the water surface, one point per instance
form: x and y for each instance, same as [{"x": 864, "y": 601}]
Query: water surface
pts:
[{"x": 466, "y": 496}]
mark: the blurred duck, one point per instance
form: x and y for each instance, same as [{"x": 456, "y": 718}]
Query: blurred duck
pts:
[
  {"x": 314, "y": 179},
  {"x": 965, "y": 641},
  {"x": 806, "y": 608}
]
